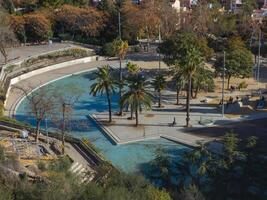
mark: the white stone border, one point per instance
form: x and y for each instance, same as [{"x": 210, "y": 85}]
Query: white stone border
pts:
[{"x": 52, "y": 67}]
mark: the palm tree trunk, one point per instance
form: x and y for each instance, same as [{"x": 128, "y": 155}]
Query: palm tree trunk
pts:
[
  {"x": 38, "y": 122},
  {"x": 188, "y": 101},
  {"x": 177, "y": 95},
  {"x": 159, "y": 103},
  {"x": 131, "y": 107},
  {"x": 196, "y": 92},
  {"x": 109, "y": 105},
  {"x": 228, "y": 82},
  {"x": 136, "y": 117},
  {"x": 192, "y": 89}
]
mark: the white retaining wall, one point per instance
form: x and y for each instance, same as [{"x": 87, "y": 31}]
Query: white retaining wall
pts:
[{"x": 52, "y": 67}]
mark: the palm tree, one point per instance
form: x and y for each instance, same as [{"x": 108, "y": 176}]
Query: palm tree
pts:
[
  {"x": 159, "y": 84},
  {"x": 179, "y": 82},
  {"x": 104, "y": 83},
  {"x": 120, "y": 48},
  {"x": 132, "y": 68},
  {"x": 202, "y": 79},
  {"x": 138, "y": 96},
  {"x": 191, "y": 62}
]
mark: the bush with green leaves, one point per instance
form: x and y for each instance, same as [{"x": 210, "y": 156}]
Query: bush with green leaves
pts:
[
  {"x": 108, "y": 50},
  {"x": 235, "y": 171},
  {"x": 62, "y": 164},
  {"x": 61, "y": 184},
  {"x": 242, "y": 85},
  {"x": 2, "y": 153}
]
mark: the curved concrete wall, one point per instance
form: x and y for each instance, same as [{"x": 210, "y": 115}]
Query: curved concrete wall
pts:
[{"x": 52, "y": 67}]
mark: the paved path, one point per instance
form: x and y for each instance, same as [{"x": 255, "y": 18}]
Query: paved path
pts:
[
  {"x": 23, "y": 52},
  {"x": 155, "y": 124}
]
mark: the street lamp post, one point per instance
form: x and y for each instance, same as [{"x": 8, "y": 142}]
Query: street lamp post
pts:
[
  {"x": 259, "y": 60},
  {"x": 158, "y": 49},
  {"x": 223, "y": 84},
  {"x": 119, "y": 25}
]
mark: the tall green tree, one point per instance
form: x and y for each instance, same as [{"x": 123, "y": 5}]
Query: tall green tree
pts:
[
  {"x": 202, "y": 80},
  {"x": 132, "y": 71},
  {"x": 238, "y": 61},
  {"x": 185, "y": 51},
  {"x": 105, "y": 83},
  {"x": 190, "y": 63},
  {"x": 120, "y": 48},
  {"x": 159, "y": 84},
  {"x": 138, "y": 97},
  {"x": 178, "y": 81}
]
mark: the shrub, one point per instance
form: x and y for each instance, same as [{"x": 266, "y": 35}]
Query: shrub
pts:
[
  {"x": 62, "y": 164},
  {"x": 10, "y": 68},
  {"x": 136, "y": 48},
  {"x": 1, "y": 108},
  {"x": 41, "y": 165},
  {"x": 108, "y": 50},
  {"x": 65, "y": 36},
  {"x": 37, "y": 27},
  {"x": 242, "y": 85},
  {"x": 2, "y": 153}
]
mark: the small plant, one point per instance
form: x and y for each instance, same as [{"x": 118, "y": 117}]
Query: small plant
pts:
[
  {"x": 10, "y": 68},
  {"x": 108, "y": 50},
  {"x": 1, "y": 108},
  {"x": 73, "y": 52},
  {"x": 242, "y": 85},
  {"x": 62, "y": 164},
  {"x": 136, "y": 49},
  {"x": 2, "y": 153},
  {"x": 41, "y": 165}
]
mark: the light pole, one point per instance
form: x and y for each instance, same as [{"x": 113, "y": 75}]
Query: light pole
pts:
[
  {"x": 158, "y": 49},
  {"x": 223, "y": 84},
  {"x": 119, "y": 25},
  {"x": 259, "y": 60}
]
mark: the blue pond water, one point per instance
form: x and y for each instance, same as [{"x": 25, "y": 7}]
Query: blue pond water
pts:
[{"x": 131, "y": 158}]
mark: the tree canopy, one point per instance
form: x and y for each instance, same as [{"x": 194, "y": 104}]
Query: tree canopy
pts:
[{"x": 238, "y": 60}]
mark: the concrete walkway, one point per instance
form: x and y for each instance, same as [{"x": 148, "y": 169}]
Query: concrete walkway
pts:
[
  {"x": 154, "y": 124},
  {"x": 20, "y": 53}
]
